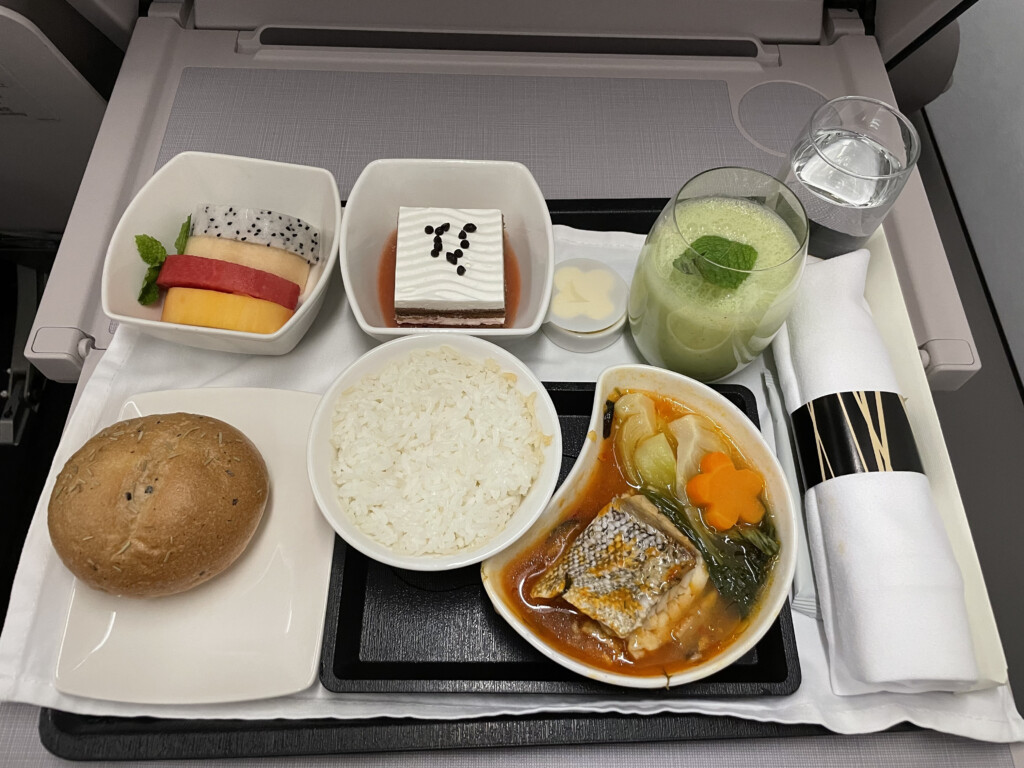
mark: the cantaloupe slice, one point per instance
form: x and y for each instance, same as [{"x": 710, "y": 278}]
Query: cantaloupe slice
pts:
[
  {"x": 269, "y": 259},
  {"x": 213, "y": 309}
]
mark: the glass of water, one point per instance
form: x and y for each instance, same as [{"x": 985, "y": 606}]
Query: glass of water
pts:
[{"x": 851, "y": 163}]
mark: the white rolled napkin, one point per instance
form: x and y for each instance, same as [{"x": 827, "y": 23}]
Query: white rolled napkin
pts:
[{"x": 890, "y": 591}]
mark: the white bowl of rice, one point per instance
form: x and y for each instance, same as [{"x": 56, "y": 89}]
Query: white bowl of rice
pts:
[{"x": 431, "y": 453}]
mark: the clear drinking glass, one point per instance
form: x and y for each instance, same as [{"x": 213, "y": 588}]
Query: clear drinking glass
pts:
[
  {"x": 851, "y": 161},
  {"x": 718, "y": 273}
]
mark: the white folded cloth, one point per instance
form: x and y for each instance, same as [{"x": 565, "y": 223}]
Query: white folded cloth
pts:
[{"x": 890, "y": 591}]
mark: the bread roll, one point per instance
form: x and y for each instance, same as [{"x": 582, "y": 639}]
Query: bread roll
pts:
[{"x": 157, "y": 505}]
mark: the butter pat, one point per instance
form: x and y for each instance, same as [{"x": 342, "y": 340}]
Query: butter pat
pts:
[
  {"x": 588, "y": 296},
  {"x": 588, "y": 305}
]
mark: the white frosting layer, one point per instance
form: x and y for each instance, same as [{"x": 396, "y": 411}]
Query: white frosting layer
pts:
[{"x": 423, "y": 281}]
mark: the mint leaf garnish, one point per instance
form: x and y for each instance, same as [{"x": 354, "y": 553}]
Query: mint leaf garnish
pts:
[
  {"x": 151, "y": 250},
  {"x": 153, "y": 253},
  {"x": 150, "y": 291},
  {"x": 721, "y": 260},
  {"x": 183, "y": 233}
]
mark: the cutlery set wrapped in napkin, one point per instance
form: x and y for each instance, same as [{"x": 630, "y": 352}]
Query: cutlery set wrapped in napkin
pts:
[{"x": 890, "y": 590}]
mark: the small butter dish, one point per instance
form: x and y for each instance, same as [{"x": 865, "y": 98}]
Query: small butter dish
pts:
[{"x": 588, "y": 306}]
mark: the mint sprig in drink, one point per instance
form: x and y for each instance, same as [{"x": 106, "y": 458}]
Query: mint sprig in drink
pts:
[{"x": 718, "y": 273}]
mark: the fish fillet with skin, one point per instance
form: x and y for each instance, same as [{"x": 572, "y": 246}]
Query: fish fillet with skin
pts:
[{"x": 624, "y": 568}]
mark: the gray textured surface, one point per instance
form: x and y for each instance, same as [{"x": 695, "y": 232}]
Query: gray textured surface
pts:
[
  {"x": 773, "y": 114},
  {"x": 986, "y": 411},
  {"x": 568, "y": 131},
  {"x": 977, "y": 126}
]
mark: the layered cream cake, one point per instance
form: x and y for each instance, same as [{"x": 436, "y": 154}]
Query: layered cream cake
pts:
[{"x": 450, "y": 267}]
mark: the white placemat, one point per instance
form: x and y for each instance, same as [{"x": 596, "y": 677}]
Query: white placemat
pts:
[{"x": 135, "y": 363}]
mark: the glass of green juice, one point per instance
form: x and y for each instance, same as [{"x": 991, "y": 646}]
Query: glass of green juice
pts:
[{"x": 718, "y": 273}]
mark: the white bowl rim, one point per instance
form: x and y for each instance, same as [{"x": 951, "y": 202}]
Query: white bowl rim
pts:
[
  {"x": 767, "y": 612},
  {"x": 379, "y": 356},
  {"x": 319, "y": 288},
  {"x": 386, "y": 331}
]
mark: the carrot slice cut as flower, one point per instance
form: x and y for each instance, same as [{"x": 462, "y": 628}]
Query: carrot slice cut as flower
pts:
[{"x": 725, "y": 494}]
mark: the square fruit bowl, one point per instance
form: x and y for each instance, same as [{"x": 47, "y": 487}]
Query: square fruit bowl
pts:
[
  {"x": 247, "y": 284},
  {"x": 371, "y": 219}
]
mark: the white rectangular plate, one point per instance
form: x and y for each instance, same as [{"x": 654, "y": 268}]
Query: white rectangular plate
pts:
[{"x": 252, "y": 632}]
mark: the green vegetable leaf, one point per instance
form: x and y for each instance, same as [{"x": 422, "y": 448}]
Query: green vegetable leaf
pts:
[
  {"x": 760, "y": 536},
  {"x": 718, "y": 259},
  {"x": 151, "y": 250},
  {"x": 183, "y": 233},
  {"x": 150, "y": 291},
  {"x": 153, "y": 253},
  {"x": 738, "y": 562}
]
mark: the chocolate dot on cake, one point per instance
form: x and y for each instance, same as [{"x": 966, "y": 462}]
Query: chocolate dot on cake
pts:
[
  {"x": 465, "y": 244},
  {"x": 435, "y": 253},
  {"x": 428, "y": 229},
  {"x": 452, "y": 258},
  {"x": 461, "y": 270},
  {"x": 462, "y": 234},
  {"x": 471, "y": 228},
  {"x": 458, "y": 254}
]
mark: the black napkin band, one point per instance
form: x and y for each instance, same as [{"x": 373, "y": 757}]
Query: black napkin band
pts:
[{"x": 850, "y": 432}]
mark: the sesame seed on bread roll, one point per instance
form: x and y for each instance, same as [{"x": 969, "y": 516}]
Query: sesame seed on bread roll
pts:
[{"x": 157, "y": 505}]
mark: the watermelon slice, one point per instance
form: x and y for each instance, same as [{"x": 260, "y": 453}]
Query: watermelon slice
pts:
[{"x": 184, "y": 271}]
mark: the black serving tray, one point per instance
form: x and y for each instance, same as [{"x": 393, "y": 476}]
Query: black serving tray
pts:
[
  {"x": 773, "y": 669},
  {"x": 389, "y": 630},
  {"x": 81, "y": 737}
]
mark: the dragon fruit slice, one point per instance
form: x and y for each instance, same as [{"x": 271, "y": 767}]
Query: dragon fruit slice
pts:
[{"x": 259, "y": 226}]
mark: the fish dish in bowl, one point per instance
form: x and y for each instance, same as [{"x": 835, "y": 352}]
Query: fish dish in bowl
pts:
[{"x": 668, "y": 551}]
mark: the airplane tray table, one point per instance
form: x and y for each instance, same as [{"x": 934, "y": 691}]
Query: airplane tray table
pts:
[{"x": 148, "y": 117}]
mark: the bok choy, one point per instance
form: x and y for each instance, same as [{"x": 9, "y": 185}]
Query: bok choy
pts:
[
  {"x": 634, "y": 420},
  {"x": 738, "y": 560}
]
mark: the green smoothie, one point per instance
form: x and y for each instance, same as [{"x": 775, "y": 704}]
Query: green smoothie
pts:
[{"x": 683, "y": 321}]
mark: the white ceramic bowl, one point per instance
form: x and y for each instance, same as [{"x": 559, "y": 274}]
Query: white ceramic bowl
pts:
[
  {"x": 320, "y": 454},
  {"x": 371, "y": 216},
  {"x": 173, "y": 192},
  {"x": 704, "y": 400}
]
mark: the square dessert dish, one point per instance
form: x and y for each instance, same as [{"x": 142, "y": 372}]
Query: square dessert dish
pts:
[
  {"x": 431, "y": 246},
  {"x": 235, "y": 256}
]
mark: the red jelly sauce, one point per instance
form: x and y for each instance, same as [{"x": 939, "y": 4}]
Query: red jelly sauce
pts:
[{"x": 386, "y": 282}]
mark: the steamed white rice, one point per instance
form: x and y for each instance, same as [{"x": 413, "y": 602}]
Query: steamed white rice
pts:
[{"x": 436, "y": 452}]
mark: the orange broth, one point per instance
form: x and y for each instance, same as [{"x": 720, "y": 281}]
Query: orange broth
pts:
[
  {"x": 386, "y": 283},
  {"x": 566, "y": 628}
]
